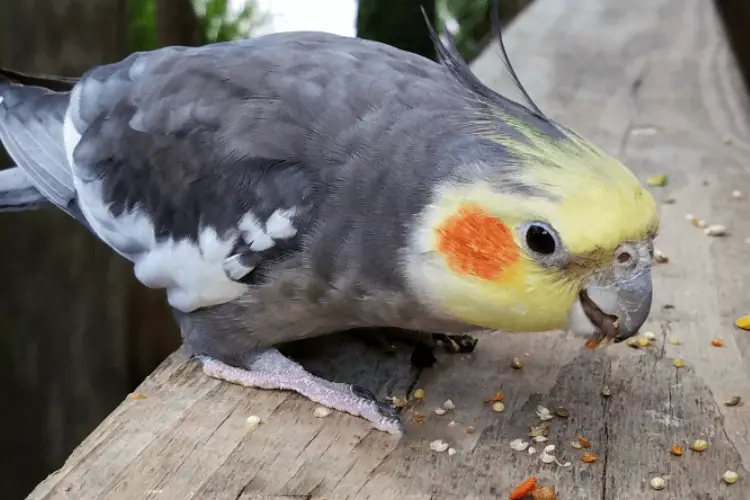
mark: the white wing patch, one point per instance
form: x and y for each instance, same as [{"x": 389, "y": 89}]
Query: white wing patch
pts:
[
  {"x": 195, "y": 274},
  {"x": 279, "y": 225}
]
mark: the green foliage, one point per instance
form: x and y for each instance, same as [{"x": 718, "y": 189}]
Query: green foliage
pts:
[
  {"x": 220, "y": 24},
  {"x": 474, "y": 24},
  {"x": 218, "y": 21},
  {"x": 142, "y": 24}
]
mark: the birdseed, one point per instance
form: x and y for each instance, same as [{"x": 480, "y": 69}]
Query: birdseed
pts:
[
  {"x": 743, "y": 322},
  {"x": 543, "y": 413},
  {"x": 519, "y": 445},
  {"x": 419, "y": 394},
  {"x": 589, "y": 458},
  {"x": 657, "y": 483},
  {"x": 677, "y": 450},
  {"x": 439, "y": 446},
  {"x": 730, "y": 477},
  {"x": 584, "y": 442},
  {"x": 678, "y": 363},
  {"x": 322, "y": 412},
  {"x": 715, "y": 230},
  {"x": 543, "y": 493},
  {"x": 449, "y": 405},
  {"x": 440, "y": 411},
  {"x": 498, "y": 406},
  {"x": 733, "y": 401},
  {"x": 516, "y": 364},
  {"x": 717, "y": 342},
  {"x": 699, "y": 445},
  {"x": 606, "y": 391},
  {"x": 523, "y": 490},
  {"x": 561, "y": 412}
]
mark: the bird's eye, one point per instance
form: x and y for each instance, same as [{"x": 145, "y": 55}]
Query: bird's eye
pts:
[{"x": 539, "y": 239}]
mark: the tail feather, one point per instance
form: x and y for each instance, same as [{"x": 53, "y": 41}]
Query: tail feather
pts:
[
  {"x": 31, "y": 130},
  {"x": 55, "y": 83},
  {"x": 17, "y": 192}
]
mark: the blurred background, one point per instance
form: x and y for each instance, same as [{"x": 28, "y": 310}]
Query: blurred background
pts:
[{"x": 77, "y": 331}]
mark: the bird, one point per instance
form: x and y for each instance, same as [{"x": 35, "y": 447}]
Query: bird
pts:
[{"x": 297, "y": 184}]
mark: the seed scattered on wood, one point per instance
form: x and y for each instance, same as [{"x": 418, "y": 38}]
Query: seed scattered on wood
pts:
[
  {"x": 678, "y": 363},
  {"x": 674, "y": 340},
  {"x": 660, "y": 257},
  {"x": 543, "y": 493},
  {"x": 419, "y": 394},
  {"x": 419, "y": 415},
  {"x": 470, "y": 429},
  {"x": 584, "y": 442},
  {"x": 254, "y": 420},
  {"x": 643, "y": 342},
  {"x": 743, "y": 322},
  {"x": 449, "y": 405},
  {"x": 321, "y": 412},
  {"x": 137, "y": 395},
  {"x": 516, "y": 364},
  {"x": 589, "y": 458},
  {"x": 650, "y": 335},
  {"x": 606, "y": 391},
  {"x": 497, "y": 397},
  {"x": 547, "y": 458},
  {"x": 440, "y": 411},
  {"x": 717, "y": 342},
  {"x": 519, "y": 445},
  {"x": 539, "y": 430},
  {"x": 549, "y": 448},
  {"x": 633, "y": 342},
  {"x": 543, "y": 413},
  {"x": 715, "y": 230},
  {"x": 539, "y": 439},
  {"x": 657, "y": 180},
  {"x": 399, "y": 401},
  {"x": 677, "y": 450},
  {"x": 452, "y": 423},
  {"x": 439, "y": 446},
  {"x": 730, "y": 477},
  {"x": 576, "y": 445},
  {"x": 532, "y": 450},
  {"x": 736, "y": 194},
  {"x": 452, "y": 451},
  {"x": 657, "y": 483},
  {"x": 733, "y": 401},
  {"x": 418, "y": 421},
  {"x": 562, "y": 412},
  {"x": 699, "y": 445},
  {"x": 498, "y": 406},
  {"x": 523, "y": 490}
]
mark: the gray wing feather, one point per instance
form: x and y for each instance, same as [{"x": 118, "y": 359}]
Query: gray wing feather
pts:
[
  {"x": 31, "y": 129},
  {"x": 17, "y": 192}
]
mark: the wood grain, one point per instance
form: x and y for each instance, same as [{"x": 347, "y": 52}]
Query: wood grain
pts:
[{"x": 651, "y": 81}]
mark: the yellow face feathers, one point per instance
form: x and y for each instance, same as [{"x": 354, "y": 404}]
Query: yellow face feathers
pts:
[{"x": 502, "y": 259}]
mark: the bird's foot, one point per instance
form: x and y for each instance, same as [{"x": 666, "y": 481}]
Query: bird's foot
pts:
[{"x": 272, "y": 370}]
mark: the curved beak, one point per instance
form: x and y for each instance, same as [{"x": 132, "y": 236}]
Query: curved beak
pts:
[{"x": 627, "y": 302}]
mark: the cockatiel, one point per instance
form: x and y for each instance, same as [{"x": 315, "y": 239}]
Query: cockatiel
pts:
[{"x": 303, "y": 183}]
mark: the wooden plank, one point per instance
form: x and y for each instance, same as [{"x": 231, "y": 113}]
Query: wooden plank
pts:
[{"x": 652, "y": 81}]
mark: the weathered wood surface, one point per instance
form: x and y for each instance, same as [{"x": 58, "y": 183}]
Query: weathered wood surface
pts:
[{"x": 652, "y": 81}]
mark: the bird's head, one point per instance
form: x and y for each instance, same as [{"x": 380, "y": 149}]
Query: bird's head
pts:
[{"x": 548, "y": 233}]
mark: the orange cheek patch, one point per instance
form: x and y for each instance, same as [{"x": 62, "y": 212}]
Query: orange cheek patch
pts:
[{"x": 477, "y": 244}]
